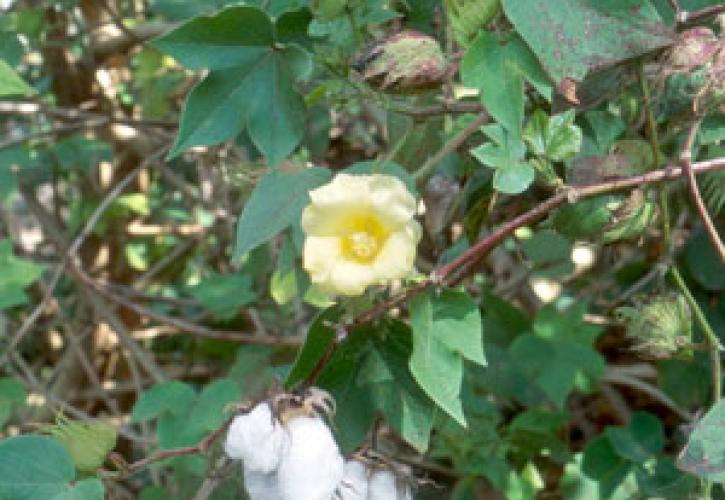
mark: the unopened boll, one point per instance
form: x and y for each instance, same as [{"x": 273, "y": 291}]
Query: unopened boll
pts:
[
  {"x": 354, "y": 484},
  {"x": 312, "y": 467},
  {"x": 261, "y": 486},
  {"x": 258, "y": 439}
]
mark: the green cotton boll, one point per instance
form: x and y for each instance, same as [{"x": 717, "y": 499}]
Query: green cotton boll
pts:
[
  {"x": 467, "y": 17},
  {"x": 406, "y": 61},
  {"x": 659, "y": 326},
  {"x": 87, "y": 442},
  {"x": 630, "y": 219}
]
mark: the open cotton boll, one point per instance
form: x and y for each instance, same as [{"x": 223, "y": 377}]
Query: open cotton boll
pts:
[
  {"x": 261, "y": 486},
  {"x": 382, "y": 486},
  {"x": 312, "y": 467},
  {"x": 258, "y": 439},
  {"x": 354, "y": 484}
]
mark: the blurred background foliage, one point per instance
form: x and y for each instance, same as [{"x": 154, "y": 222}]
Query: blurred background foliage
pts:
[{"x": 151, "y": 183}]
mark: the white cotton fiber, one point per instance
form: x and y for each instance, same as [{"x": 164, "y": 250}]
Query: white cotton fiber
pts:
[
  {"x": 261, "y": 486},
  {"x": 312, "y": 467},
  {"x": 354, "y": 484},
  {"x": 258, "y": 439},
  {"x": 382, "y": 486}
]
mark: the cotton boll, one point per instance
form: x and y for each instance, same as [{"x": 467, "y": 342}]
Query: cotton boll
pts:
[
  {"x": 383, "y": 486},
  {"x": 258, "y": 439},
  {"x": 354, "y": 484},
  {"x": 404, "y": 491},
  {"x": 261, "y": 486},
  {"x": 312, "y": 467}
]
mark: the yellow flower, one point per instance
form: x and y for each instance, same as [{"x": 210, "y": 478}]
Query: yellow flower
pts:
[{"x": 360, "y": 232}]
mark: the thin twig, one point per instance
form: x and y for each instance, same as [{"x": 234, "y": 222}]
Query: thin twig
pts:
[
  {"x": 427, "y": 169},
  {"x": 464, "y": 261},
  {"x": 684, "y": 17},
  {"x": 187, "y": 326},
  {"x": 622, "y": 378},
  {"x": 71, "y": 254},
  {"x": 686, "y": 163}
]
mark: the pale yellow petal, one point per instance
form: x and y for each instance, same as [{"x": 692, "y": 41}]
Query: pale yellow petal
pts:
[
  {"x": 350, "y": 278},
  {"x": 397, "y": 257},
  {"x": 390, "y": 200},
  {"x": 319, "y": 256}
]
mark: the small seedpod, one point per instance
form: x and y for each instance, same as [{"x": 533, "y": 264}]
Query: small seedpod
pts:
[
  {"x": 403, "y": 62},
  {"x": 659, "y": 326},
  {"x": 630, "y": 218}
]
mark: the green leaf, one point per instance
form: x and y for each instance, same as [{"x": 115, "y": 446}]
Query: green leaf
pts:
[
  {"x": 12, "y": 394},
  {"x": 574, "y": 37},
  {"x": 550, "y": 253},
  {"x": 601, "y": 463},
  {"x": 167, "y": 397},
  {"x": 208, "y": 411},
  {"x": 17, "y": 274},
  {"x": 236, "y": 36},
  {"x": 34, "y": 468},
  {"x": 87, "y": 489},
  {"x": 342, "y": 377},
  {"x": 704, "y": 454},
  {"x": 437, "y": 369},
  {"x": 224, "y": 294},
  {"x": 319, "y": 338},
  {"x": 276, "y": 202},
  {"x": 405, "y": 406},
  {"x": 514, "y": 178},
  {"x": 505, "y": 153},
  {"x": 251, "y": 82},
  {"x": 641, "y": 439},
  {"x": 446, "y": 330},
  {"x": 11, "y": 83},
  {"x": 555, "y": 137},
  {"x": 488, "y": 66},
  {"x": 703, "y": 262}
]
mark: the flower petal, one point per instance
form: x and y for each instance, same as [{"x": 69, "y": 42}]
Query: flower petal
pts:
[
  {"x": 390, "y": 200},
  {"x": 320, "y": 253},
  {"x": 350, "y": 278},
  {"x": 397, "y": 256}
]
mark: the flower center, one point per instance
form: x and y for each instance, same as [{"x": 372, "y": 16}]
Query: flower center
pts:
[
  {"x": 362, "y": 246},
  {"x": 364, "y": 239}
]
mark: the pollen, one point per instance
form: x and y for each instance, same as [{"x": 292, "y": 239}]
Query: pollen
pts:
[{"x": 364, "y": 239}]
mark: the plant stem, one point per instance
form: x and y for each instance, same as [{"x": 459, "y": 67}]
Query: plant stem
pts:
[
  {"x": 427, "y": 169},
  {"x": 712, "y": 339},
  {"x": 686, "y": 169}
]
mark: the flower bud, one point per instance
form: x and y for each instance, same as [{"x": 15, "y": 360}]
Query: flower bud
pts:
[
  {"x": 630, "y": 218},
  {"x": 609, "y": 217},
  {"x": 354, "y": 484},
  {"x": 694, "y": 47},
  {"x": 659, "y": 326},
  {"x": 405, "y": 61},
  {"x": 312, "y": 467},
  {"x": 87, "y": 442},
  {"x": 258, "y": 439}
]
